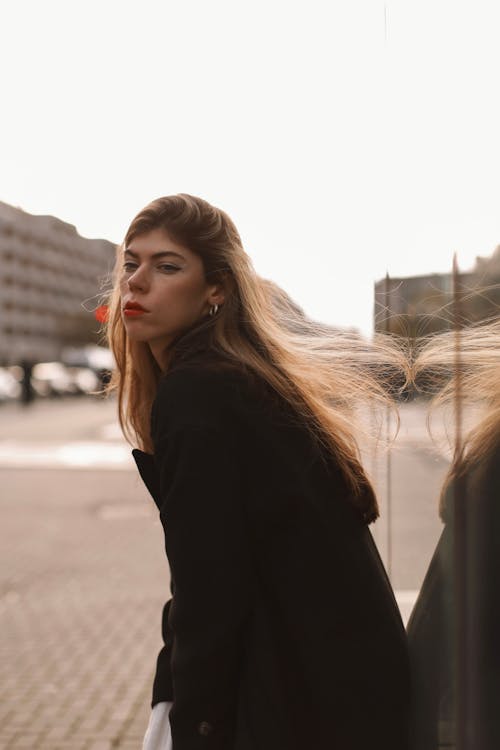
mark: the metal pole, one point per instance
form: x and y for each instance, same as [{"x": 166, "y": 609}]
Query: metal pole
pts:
[
  {"x": 459, "y": 540},
  {"x": 388, "y": 454}
]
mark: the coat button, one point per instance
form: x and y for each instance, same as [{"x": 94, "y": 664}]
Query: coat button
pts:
[{"x": 204, "y": 728}]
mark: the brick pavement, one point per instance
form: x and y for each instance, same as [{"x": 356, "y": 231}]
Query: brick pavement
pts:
[{"x": 83, "y": 577}]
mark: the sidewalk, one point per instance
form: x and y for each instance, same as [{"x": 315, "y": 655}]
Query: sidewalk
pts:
[
  {"x": 82, "y": 582},
  {"x": 83, "y": 577}
]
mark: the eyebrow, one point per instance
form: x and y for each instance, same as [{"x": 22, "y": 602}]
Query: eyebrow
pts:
[{"x": 161, "y": 254}]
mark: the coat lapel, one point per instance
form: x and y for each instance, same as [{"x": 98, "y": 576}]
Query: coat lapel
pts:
[{"x": 147, "y": 469}]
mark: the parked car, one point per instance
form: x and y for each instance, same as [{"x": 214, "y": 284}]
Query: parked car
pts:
[
  {"x": 84, "y": 379},
  {"x": 52, "y": 379},
  {"x": 10, "y": 388},
  {"x": 98, "y": 359}
]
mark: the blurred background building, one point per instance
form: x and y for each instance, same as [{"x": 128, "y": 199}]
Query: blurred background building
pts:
[
  {"x": 415, "y": 306},
  {"x": 47, "y": 270}
]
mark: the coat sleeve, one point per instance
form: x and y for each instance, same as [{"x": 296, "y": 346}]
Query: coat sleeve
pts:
[
  {"x": 206, "y": 539},
  {"x": 162, "y": 685}
]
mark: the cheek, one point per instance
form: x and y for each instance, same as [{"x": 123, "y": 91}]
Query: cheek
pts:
[{"x": 187, "y": 293}]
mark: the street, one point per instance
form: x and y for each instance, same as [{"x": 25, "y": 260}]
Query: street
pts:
[{"x": 83, "y": 572}]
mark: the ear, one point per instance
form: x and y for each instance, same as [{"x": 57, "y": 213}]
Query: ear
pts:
[
  {"x": 216, "y": 298},
  {"x": 217, "y": 294}
]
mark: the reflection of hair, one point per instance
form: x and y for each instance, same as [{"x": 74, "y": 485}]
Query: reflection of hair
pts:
[
  {"x": 476, "y": 351},
  {"x": 324, "y": 374}
]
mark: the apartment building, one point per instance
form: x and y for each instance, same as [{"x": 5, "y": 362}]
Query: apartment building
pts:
[
  {"x": 47, "y": 273},
  {"x": 415, "y": 306}
]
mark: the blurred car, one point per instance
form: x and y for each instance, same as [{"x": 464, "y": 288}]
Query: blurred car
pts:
[
  {"x": 84, "y": 379},
  {"x": 98, "y": 359},
  {"x": 10, "y": 388},
  {"x": 52, "y": 379}
]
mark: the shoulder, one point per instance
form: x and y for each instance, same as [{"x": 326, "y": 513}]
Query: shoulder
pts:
[
  {"x": 201, "y": 395},
  {"x": 479, "y": 485},
  {"x": 483, "y": 480},
  {"x": 489, "y": 469}
]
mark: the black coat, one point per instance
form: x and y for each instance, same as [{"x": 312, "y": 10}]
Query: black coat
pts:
[
  {"x": 282, "y": 632},
  {"x": 432, "y": 628}
]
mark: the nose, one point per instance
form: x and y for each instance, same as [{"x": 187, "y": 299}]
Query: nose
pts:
[{"x": 138, "y": 280}]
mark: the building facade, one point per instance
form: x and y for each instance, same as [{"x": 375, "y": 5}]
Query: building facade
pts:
[
  {"x": 415, "y": 306},
  {"x": 47, "y": 272}
]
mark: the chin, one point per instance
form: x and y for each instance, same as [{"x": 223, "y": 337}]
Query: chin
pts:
[{"x": 136, "y": 336}]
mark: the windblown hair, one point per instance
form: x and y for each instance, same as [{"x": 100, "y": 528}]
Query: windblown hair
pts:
[
  {"x": 466, "y": 365},
  {"x": 327, "y": 376}
]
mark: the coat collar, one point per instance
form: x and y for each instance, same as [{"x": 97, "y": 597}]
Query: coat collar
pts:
[
  {"x": 199, "y": 338},
  {"x": 195, "y": 346}
]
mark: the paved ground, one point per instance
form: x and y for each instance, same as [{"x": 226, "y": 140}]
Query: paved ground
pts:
[
  {"x": 83, "y": 577},
  {"x": 83, "y": 574}
]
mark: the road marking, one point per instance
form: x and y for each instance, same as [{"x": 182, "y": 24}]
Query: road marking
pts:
[{"x": 76, "y": 455}]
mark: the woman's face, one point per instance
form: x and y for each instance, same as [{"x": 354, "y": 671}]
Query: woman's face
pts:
[{"x": 163, "y": 290}]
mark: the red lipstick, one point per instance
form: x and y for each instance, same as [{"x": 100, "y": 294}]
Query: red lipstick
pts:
[{"x": 133, "y": 309}]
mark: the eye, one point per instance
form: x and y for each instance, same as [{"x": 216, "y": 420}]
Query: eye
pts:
[
  {"x": 168, "y": 267},
  {"x": 129, "y": 265}
]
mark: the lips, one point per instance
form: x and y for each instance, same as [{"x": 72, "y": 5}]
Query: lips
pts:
[{"x": 133, "y": 310}]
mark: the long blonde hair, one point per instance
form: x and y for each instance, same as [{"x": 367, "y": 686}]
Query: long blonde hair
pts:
[
  {"x": 475, "y": 351},
  {"x": 324, "y": 374}
]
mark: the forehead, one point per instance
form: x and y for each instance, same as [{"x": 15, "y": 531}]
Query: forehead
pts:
[{"x": 157, "y": 241}]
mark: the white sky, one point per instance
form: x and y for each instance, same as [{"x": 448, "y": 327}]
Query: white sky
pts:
[{"x": 346, "y": 139}]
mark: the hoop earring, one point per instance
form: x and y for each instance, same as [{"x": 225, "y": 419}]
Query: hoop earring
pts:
[{"x": 213, "y": 310}]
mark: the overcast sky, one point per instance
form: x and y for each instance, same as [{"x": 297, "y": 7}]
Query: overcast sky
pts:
[{"x": 346, "y": 139}]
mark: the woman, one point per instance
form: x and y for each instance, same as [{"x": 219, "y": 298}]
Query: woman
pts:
[
  {"x": 453, "y": 629},
  {"x": 282, "y": 630}
]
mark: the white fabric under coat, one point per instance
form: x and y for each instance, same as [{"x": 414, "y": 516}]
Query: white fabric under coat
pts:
[{"x": 158, "y": 736}]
